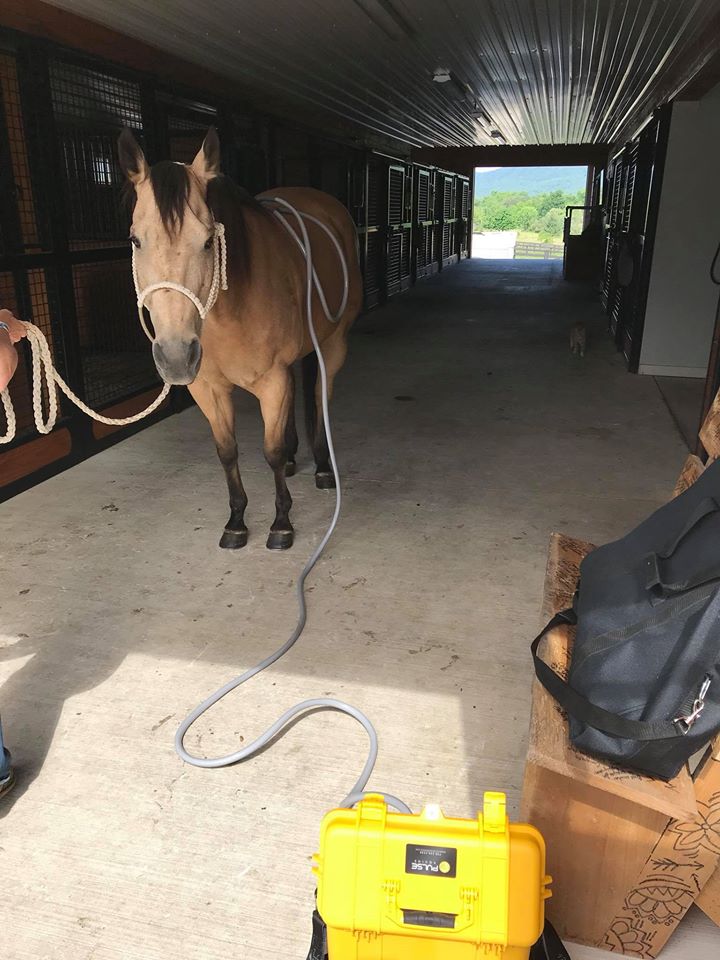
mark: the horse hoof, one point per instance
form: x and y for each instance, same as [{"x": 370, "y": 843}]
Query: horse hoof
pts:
[
  {"x": 280, "y": 539},
  {"x": 290, "y": 468},
  {"x": 325, "y": 481},
  {"x": 233, "y": 539}
]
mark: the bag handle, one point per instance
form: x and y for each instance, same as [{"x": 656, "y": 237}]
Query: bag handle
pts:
[
  {"x": 655, "y": 580},
  {"x": 587, "y": 712},
  {"x": 703, "y": 509}
]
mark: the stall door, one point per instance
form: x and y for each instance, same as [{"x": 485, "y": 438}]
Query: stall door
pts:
[
  {"x": 425, "y": 262},
  {"x": 375, "y": 228},
  {"x": 463, "y": 217},
  {"x": 399, "y": 230},
  {"x": 447, "y": 219},
  {"x": 634, "y": 195}
]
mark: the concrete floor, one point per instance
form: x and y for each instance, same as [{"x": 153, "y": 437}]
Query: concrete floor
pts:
[
  {"x": 467, "y": 433},
  {"x": 684, "y": 398}
]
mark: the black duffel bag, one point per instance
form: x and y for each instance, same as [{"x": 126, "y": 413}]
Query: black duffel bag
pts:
[{"x": 644, "y": 684}]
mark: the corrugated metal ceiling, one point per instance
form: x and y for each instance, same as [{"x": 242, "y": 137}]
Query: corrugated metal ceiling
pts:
[{"x": 537, "y": 71}]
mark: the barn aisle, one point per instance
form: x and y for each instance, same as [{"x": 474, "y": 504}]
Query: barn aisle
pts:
[{"x": 466, "y": 433}]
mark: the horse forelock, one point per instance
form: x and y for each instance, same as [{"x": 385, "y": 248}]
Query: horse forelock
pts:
[{"x": 171, "y": 188}]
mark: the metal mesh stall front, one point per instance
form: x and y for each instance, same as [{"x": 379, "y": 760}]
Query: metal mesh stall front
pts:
[{"x": 89, "y": 109}]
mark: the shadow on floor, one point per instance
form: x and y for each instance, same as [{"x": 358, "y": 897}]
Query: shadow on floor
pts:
[
  {"x": 683, "y": 397},
  {"x": 467, "y": 432}
]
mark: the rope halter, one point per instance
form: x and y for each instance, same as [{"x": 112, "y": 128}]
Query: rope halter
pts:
[{"x": 219, "y": 281}]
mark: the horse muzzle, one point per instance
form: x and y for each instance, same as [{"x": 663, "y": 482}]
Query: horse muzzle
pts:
[{"x": 177, "y": 361}]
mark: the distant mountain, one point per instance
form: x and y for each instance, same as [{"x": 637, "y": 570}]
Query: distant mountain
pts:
[{"x": 530, "y": 180}]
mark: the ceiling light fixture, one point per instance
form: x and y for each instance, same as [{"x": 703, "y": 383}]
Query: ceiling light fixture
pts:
[
  {"x": 479, "y": 115},
  {"x": 497, "y": 135},
  {"x": 460, "y": 92}
]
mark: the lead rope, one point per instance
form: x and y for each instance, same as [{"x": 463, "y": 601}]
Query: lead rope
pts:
[{"x": 44, "y": 373}]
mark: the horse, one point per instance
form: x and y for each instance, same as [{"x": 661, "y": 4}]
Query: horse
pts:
[{"x": 257, "y": 328}]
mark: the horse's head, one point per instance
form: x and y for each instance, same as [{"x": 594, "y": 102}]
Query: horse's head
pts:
[{"x": 173, "y": 236}]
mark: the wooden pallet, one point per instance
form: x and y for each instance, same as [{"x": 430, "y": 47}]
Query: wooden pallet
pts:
[{"x": 628, "y": 854}]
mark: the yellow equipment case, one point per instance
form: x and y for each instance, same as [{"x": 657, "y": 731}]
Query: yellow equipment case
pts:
[{"x": 395, "y": 886}]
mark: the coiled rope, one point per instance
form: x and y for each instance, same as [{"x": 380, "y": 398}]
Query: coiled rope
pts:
[{"x": 44, "y": 375}]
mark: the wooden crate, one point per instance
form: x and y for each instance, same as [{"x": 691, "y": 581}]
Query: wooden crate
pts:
[
  {"x": 628, "y": 854},
  {"x": 601, "y": 824}
]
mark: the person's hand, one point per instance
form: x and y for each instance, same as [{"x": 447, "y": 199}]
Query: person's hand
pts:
[
  {"x": 8, "y": 354},
  {"x": 17, "y": 328}
]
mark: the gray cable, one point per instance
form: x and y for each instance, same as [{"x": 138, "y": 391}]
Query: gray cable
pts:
[{"x": 357, "y": 792}]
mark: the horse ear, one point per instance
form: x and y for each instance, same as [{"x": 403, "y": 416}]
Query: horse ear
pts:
[
  {"x": 132, "y": 160},
  {"x": 206, "y": 164}
]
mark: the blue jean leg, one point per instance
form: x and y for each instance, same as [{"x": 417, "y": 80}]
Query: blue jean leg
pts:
[{"x": 4, "y": 758}]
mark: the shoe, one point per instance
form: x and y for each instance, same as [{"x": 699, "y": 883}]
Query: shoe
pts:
[{"x": 7, "y": 782}]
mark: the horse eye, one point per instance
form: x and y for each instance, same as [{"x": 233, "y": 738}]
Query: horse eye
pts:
[
  {"x": 134, "y": 241},
  {"x": 209, "y": 242}
]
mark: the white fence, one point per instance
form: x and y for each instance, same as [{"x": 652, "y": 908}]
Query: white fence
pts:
[{"x": 504, "y": 245}]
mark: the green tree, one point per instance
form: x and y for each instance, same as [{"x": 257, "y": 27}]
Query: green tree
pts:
[
  {"x": 547, "y": 201},
  {"x": 478, "y": 216},
  {"x": 524, "y": 214},
  {"x": 501, "y": 219},
  {"x": 517, "y": 210},
  {"x": 550, "y": 226}
]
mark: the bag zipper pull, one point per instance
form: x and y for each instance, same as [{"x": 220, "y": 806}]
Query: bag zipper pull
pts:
[{"x": 698, "y": 706}]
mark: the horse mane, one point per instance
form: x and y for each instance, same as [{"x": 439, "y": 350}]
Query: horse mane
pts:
[
  {"x": 225, "y": 199},
  {"x": 228, "y": 204}
]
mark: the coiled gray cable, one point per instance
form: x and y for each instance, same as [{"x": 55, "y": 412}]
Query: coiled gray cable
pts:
[{"x": 357, "y": 792}]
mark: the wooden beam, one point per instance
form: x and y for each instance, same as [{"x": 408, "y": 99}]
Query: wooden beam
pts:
[
  {"x": 704, "y": 80},
  {"x": 465, "y": 159},
  {"x": 51, "y": 23}
]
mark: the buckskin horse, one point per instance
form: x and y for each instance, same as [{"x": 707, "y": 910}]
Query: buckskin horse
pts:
[{"x": 250, "y": 334}]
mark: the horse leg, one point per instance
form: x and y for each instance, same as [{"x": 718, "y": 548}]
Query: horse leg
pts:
[
  {"x": 216, "y": 403},
  {"x": 291, "y": 435},
  {"x": 275, "y": 394},
  {"x": 334, "y": 351}
]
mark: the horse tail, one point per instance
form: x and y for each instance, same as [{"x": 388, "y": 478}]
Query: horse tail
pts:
[{"x": 310, "y": 372}]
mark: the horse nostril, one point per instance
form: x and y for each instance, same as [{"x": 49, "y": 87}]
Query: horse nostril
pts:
[
  {"x": 194, "y": 353},
  {"x": 158, "y": 355}
]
